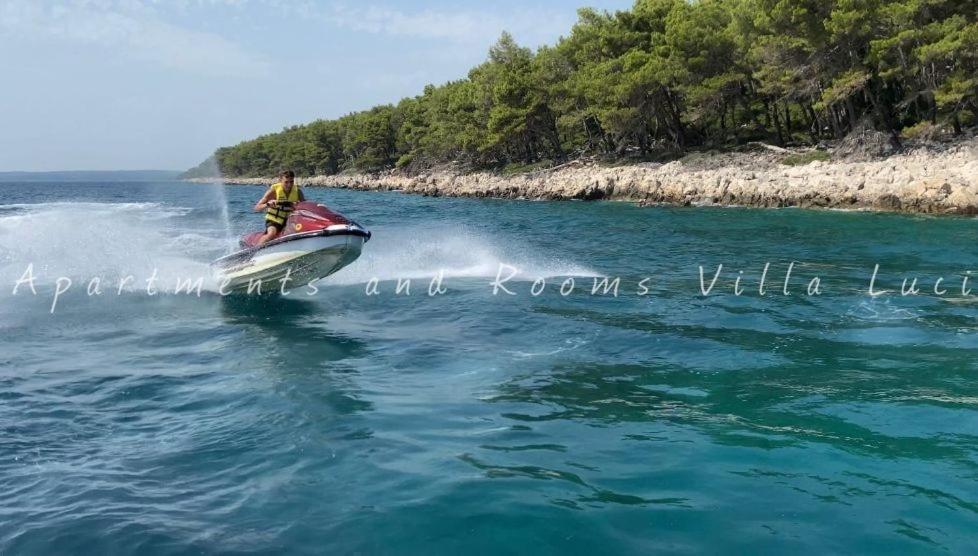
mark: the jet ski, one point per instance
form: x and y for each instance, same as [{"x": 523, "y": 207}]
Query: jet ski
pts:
[{"x": 315, "y": 243}]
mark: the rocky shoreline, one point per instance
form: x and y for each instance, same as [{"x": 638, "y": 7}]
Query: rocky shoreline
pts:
[{"x": 925, "y": 180}]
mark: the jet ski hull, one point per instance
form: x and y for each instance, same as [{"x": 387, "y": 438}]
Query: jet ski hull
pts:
[
  {"x": 315, "y": 243},
  {"x": 300, "y": 261}
]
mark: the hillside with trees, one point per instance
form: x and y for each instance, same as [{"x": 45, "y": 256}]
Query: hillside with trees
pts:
[{"x": 660, "y": 79}]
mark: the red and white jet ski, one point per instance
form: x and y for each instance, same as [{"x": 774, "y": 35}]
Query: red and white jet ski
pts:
[{"x": 315, "y": 243}]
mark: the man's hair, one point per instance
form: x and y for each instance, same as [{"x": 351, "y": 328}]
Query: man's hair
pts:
[{"x": 289, "y": 174}]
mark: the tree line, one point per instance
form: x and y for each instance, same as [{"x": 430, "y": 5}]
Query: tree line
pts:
[{"x": 659, "y": 79}]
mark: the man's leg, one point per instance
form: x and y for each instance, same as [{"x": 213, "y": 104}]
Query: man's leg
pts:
[{"x": 271, "y": 233}]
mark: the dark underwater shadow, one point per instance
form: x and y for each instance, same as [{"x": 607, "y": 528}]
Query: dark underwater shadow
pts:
[
  {"x": 293, "y": 342},
  {"x": 298, "y": 329},
  {"x": 267, "y": 311},
  {"x": 800, "y": 430},
  {"x": 791, "y": 405}
]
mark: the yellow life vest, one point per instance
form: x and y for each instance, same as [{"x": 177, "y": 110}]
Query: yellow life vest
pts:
[{"x": 280, "y": 214}]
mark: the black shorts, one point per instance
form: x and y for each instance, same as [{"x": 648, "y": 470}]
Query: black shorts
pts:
[{"x": 278, "y": 227}]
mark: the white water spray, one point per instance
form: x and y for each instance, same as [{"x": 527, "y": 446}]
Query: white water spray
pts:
[
  {"x": 422, "y": 252},
  {"x": 82, "y": 241},
  {"x": 218, "y": 190},
  {"x": 109, "y": 241}
]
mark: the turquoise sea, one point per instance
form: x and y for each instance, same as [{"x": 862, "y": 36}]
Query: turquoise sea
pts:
[{"x": 471, "y": 422}]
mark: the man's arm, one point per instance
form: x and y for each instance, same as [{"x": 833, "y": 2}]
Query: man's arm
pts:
[
  {"x": 265, "y": 200},
  {"x": 302, "y": 196}
]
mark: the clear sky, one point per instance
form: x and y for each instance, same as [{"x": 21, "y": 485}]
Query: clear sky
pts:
[{"x": 159, "y": 84}]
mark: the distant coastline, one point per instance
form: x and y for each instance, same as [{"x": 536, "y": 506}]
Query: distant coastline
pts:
[
  {"x": 89, "y": 176},
  {"x": 861, "y": 105},
  {"x": 931, "y": 180}
]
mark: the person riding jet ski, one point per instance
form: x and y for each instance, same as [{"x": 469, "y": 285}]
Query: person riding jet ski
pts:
[
  {"x": 302, "y": 241},
  {"x": 277, "y": 203}
]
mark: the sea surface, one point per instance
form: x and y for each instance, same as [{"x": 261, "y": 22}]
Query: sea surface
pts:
[{"x": 139, "y": 420}]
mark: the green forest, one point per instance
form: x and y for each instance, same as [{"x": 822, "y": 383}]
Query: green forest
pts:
[{"x": 658, "y": 80}]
